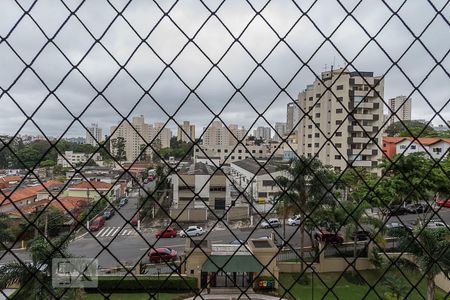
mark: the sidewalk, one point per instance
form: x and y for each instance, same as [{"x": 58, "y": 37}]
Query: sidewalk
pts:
[{"x": 228, "y": 294}]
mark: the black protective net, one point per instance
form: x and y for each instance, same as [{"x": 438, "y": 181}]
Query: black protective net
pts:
[{"x": 341, "y": 201}]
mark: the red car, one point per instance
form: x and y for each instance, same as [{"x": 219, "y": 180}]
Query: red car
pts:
[
  {"x": 166, "y": 233},
  {"x": 443, "y": 202},
  {"x": 97, "y": 223},
  {"x": 328, "y": 237},
  {"x": 134, "y": 221},
  {"x": 162, "y": 254}
]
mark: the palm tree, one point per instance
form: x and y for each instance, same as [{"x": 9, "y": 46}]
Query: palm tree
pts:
[
  {"x": 431, "y": 248},
  {"x": 34, "y": 278},
  {"x": 306, "y": 182}
]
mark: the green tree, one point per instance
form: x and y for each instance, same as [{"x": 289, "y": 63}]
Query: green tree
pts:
[
  {"x": 5, "y": 231},
  {"x": 431, "y": 249},
  {"x": 28, "y": 156},
  {"x": 306, "y": 181},
  {"x": 34, "y": 277},
  {"x": 397, "y": 287},
  {"x": 119, "y": 149},
  {"x": 156, "y": 149},
  {"x": 400, "y": 128},
  {"x": 47, "y": 163}
]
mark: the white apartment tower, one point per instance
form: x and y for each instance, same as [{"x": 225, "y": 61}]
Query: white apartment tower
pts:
[
  {"x": 400, "y": 109},
  {"x": 163, "y": 134},
  {"x": 292, "y": 117},
  {"x": 326, "y": 132},
  {"x": 94, "y": 135},
  {"x": 186, "y": 132},
  {"x": 264, "y": 133},
  {"x": 280, "y": 128}
]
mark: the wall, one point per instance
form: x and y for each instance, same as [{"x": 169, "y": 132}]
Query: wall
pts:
[
  {"x": 238, "y": 213},
  {"x": 189, "y": 214}
]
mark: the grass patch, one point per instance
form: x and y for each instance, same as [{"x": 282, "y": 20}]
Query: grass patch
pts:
[{"x": 342, "y": 288}]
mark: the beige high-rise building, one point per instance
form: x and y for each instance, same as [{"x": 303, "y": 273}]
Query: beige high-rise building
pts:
[
  {"x": 163, "y": 134},
  {"x": 188, "y": 135},
  {"x": 280, "y": 128},
  {"x": 94, "y": 135},
  {"x": 328, "y": 133},
  {"x": 135, "y": 135},
  {"x": 264, "y": 133},
  {"x": 292, "y": 117},
  {"x": 217, "y": 135},
  {"x": 400, "y": 109}
]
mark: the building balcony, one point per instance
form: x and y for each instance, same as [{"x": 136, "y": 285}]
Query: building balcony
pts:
[
  {"x": 358, "y": 128},
  {"x": 360, "y": 140},
  {"x": 363, "y": 116}
]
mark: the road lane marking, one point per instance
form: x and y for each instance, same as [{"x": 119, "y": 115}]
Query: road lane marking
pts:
[
  {"x": 100, "y": 232},
  {"x": 129, "y": 232},
  {"x": 124, "y": 232},
  {"x": 108, "y": 231},
  {"x": 115, "y": 231}
]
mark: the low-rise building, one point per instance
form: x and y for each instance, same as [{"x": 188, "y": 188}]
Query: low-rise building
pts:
[
  {"x": 93, "y": 190},
  {"x": 197, "y": 185},
  {"x": 71, "y": 158},
  {"x": 436, "y": 147},
  {"x": 257, "y": 177}
]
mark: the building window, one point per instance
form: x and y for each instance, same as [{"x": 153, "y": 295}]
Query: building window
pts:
[
  {"x": 217, "y": 189},
  {"x": 317, "y": 105},
  {"x": 338, "y": 157},
  {"x": 309, "y": 145},
  {"x": 340, "y": 99},
  {"x": 317, "y": 115},
  {"x": 317, "y": 95},
  {"x": 311, "y": 98},
  {"x": 339, "y": 111},
  {"x": 260, "y": 151},
  {"x": 239, "y": 157},
  {"x": 239, "y": 151},
  {"x": 268, "y": 183},
  {"x": 339, "y": 87},
  {"x": 316, "y": 145},
  {"x": 437, "y": 150},
  {"x": 317, "y": 135},
  {"x": 225, "y": 150},
  {"x": 309, "y": 136},
  {"x": 338, "y": 145},
  {"x": 338, "y": 133},
  {"x": 338, "y": 122},
  {"x": 402, "y": 146},
  {"x": 413, "y": 147},
  {"x": 232, "y": 157},
  {"x": 309, "y": 126},
  {"x": 253, "y": 151}
]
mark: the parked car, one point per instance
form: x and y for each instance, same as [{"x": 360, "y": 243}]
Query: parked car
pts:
[
  {"x": 395, "y": 225},
  {"x": 97, "y": 223},
  {"x": 123, "y": 202},
  {"x": 169, "y": 232},
  {"x": 361, "y": 235},
  {"x": 271, "y": 223},
  {"x": 108, "y": 213},
  {"x": 417, "y": 208},
  {"x": 328, "y": 237},
  {"x": 192, "y": 231},
  {"x": 397, "y": 210},
  {"x": 294, "y": 221},
  {"x": 162, "y": 254},
  {"x": 436, "y": 224},
  {"x": 443, "y": 202}
]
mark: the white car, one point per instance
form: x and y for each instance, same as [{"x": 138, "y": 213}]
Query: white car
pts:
[
  {"x": 192, "y": 231},
  {"x": 272, "y": 222},
  {"x": 294, "y": 221},
  {"x": 436, "y": 224}
]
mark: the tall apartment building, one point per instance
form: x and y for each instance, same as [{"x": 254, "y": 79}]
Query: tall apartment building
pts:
[
  {"x": 163, "y": 134},
  {"x": 94, "y": 133},
  {"x": 280, "y": 128},
  {"x": 264, "y": 133},
  {"x": 217, "y": 135},
  {"x": 186, "y": 132},
  {"x": 400, "y": 109},
  {"x": 292, "y": 117},
  {"x": 134, "y": 135},
  {"x": 326, "y": 118}
]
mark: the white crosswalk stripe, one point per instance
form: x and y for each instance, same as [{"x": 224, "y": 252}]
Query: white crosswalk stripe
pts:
[{"x": 113, "y": 231}]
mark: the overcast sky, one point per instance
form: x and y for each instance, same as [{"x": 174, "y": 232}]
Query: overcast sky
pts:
[{"x": 166, "y": 41}]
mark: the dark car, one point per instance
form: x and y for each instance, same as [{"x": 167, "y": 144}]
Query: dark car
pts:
[
  {"x": 397, "y": 210},
  {"x": 162, "y": 254},
  {"x": 166, "y": 233},
  {"x": 361, "y": 235},
  {"x": 417, "y": 208},
  {"x": 108, "y": 213},
  {"x": 328, "y": 237}
]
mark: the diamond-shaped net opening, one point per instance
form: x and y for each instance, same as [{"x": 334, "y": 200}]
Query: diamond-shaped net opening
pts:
[{"x": 224, "y": 149}]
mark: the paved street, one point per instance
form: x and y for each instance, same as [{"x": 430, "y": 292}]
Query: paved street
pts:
[{"x": 118, "y": 241}]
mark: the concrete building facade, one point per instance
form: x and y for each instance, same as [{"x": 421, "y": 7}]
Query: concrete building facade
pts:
[
  {"x": 280, "y": 128},
  {"x": 326, "y": 129},
  {"x": 400, "y": 109},
  {"x": 186, "y": 132},
  {"x": 94, "y": 135},
  {"x": 264, "y": 133},
  {"x": 74, "y": 158}
]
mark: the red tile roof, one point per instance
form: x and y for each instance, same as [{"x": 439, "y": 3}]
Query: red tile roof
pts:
[
  {"x": 69, "y": 202},
  {"x": 423, "y": 141},
  {"x": 27, "y": 192},
  {"x": 10, "y": 178},
  {"x": 99, "y": 185}
]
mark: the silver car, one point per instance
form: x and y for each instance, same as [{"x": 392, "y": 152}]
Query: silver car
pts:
[
  {"x": 192, "y": 231},
  {"x": 272, "y": 222}
]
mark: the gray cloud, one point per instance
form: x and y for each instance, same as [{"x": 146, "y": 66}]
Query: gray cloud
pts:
[{"x": 192, "y": 65}]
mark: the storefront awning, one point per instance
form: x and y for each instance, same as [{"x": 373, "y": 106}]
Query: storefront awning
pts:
[{"x": 232, "y": 263}]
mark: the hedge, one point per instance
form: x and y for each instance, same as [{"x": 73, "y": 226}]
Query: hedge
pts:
[{"x": 150, "y": 283}]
